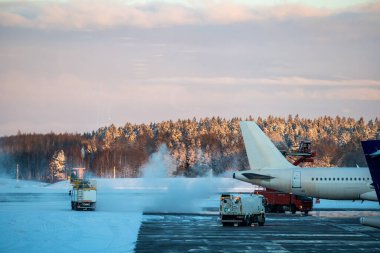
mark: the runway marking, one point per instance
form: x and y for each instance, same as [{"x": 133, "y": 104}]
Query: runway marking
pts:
[{"x": 275, "y": 248}]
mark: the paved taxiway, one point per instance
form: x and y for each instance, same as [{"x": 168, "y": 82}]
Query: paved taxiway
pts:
[{"x": 281, "y": 233}]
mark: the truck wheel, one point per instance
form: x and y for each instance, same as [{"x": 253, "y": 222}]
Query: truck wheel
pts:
[
  {"x": 261, "y": 221},
  {"x": 306, "y": 212},
  {"x": 293, "y": 209},
  {"x": 246, "y": 222}
]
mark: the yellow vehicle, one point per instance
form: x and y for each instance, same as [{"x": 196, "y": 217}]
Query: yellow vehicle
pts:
[
  {"x": 83, "y": 192},
  {"x": 83, "y": 195}
]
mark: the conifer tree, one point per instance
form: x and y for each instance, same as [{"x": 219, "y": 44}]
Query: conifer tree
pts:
[{"x": 57, "y": 166}]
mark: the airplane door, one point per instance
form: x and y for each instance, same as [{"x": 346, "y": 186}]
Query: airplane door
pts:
[{"x": 296, "y": 180}]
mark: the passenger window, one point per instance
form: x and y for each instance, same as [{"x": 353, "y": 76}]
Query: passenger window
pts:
[
  {"x": 325, "y": 178},
  {"x": 312, "y": 179},
  {"x": 337, "y": 178},
  {"x": 316, "y": 179},
  {"x": 359, "y": 179},
  {"x": 334, "y": 178},
  {"x": 329, "y": 178},
  {"x": 367, "y": 178},
  {"x": 355, "y": 178},
  {"x": 347, "y": 178},
  {"x": 350, "y": 178}
]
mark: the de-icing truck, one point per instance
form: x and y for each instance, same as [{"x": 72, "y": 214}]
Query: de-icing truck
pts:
[
  {"x": 83, "y": 194},
  {"x": 242, "y": 209}
]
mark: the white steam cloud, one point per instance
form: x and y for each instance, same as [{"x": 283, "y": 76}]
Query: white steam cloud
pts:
[
  {"x": 179, "y": 195},
  {"x": 157, "y": 191},
  {"x": 160, "y": 165}
]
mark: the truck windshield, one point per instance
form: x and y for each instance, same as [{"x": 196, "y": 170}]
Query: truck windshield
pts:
[{"x": 303, "y": 198}]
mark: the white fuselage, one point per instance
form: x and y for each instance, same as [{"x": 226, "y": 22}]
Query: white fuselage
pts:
[{"x": 325, "y": 183}]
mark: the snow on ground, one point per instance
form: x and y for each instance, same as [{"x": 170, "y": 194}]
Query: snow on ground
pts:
[
  {"x": 53, "y": 227},
  {"x": 42, "y": 221},
  {"x": 37, "y": 217}
]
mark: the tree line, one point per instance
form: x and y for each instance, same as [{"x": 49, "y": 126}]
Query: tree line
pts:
[{"x": 194, "y": 146}]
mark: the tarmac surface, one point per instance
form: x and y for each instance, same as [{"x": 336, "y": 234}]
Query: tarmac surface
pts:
[{"x": 281, "y": 233}]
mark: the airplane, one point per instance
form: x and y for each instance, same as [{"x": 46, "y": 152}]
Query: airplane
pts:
[{"x": 269, "y": 168}]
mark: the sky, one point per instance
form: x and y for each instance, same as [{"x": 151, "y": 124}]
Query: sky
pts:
[{"x": 75, "y": 66}]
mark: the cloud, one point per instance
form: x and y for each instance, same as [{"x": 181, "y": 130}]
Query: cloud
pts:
[
  {"x": 276, "y": 81},
  {"x": 76, "y": 91},
  {"x": 73, "y": 103},
  {"x": 104, "y": 14}
]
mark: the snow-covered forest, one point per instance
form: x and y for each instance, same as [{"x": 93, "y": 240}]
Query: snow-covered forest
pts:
[{"x": 189, "y": 147}]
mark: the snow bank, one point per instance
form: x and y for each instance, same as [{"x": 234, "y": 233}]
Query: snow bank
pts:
[
  {"x": 24, "y": 186},
  {"x": 12, "y": 185}
]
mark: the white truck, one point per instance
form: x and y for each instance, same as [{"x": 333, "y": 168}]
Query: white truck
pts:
[
  {"x": 242, "y": 209},
  {"x": 83, "y": 194}
]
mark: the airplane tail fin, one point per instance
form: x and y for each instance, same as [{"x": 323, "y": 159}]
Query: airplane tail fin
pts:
[
  {"x": 261, "y": 152},
  {"x": 372, "y": 155}
]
